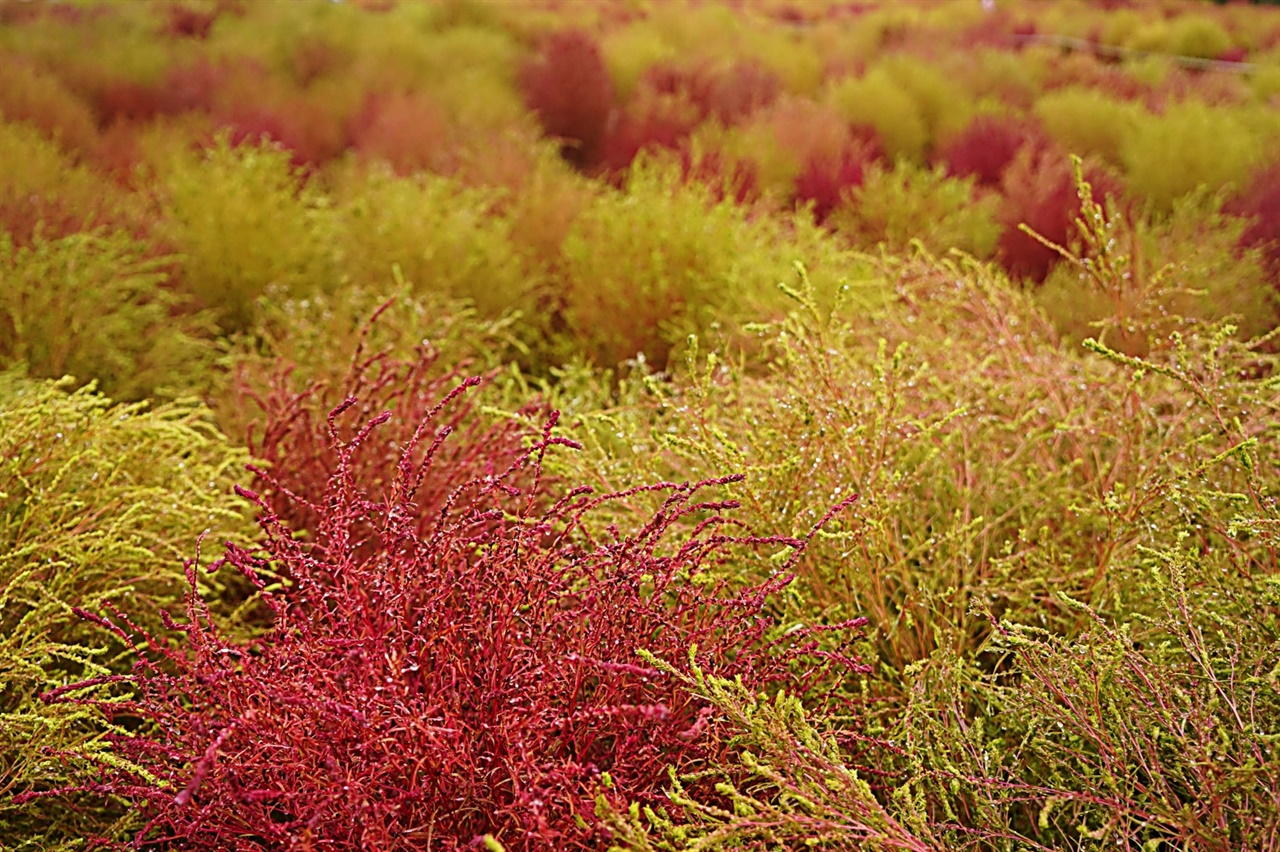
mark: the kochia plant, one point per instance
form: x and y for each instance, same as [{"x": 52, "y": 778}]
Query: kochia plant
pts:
[{"x": 437, "y": 678}]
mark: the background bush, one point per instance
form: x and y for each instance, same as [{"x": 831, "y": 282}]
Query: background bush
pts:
[
  {"x": 242, "y": 220},
  {"x": 95, "y": 307}
]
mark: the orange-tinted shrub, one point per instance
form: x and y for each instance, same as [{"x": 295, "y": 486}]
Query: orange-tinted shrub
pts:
[{"x": 1259, "y": 202}]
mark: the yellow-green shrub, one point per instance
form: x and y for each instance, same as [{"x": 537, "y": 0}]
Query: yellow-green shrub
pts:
[
  {"x": 42, "y": 101},
  {"x": 447, "y": 239},
  {"x": 1191, "y": 145},
  {"x": 319, "y": 338},
  {"x": 1199, "y": 36},
  {"x": 788, "y": 55},
  {"x": 1088, "y": 122},
  {"x": 643, "y": 268},
  {"x": 94, "y": 306},
  {"x": 99, "y": 505},
  {"x": 42, "y": 188},
  {"x": 897, "y": 206},
  {"x": 630, "y": 52},
  {"x": 1265, "y": 83},
  {"x": 877, "y": 100},
  {"x": 1181, "y": 270},
  {"x": 944, "y": 106},
  {"x": 243, "y": 220}
]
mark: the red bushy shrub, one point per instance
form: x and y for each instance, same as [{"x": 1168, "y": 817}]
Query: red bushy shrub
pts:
[
  {"x": 1088, "y": 71},
  {"x": 435, "y": 675},
  {"x": 825, "y": 180},
  {"x": 725, "y": 177},
  {"x": 302, "y": 124},
  {"x": 732, "y": 93},
  {"x": 986, "y": 146},
  {"x": 194, "y": 85},
  {"x": 651, "y": 122},
  {"x": 1260, "y": 203},
  {"x": 186, "y": 22},
  {"x": 1040, "y": 191},
  {"x": 292, "y": 437},
  {"x": 569, "y": 88},
  {"x": 255, "y": 106}
]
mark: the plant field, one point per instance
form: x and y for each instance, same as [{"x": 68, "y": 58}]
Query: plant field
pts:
[{"x": 640, "y": 425}]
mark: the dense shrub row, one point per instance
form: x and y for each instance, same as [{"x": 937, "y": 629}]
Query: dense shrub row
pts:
[
  {"x": 554, "y": 425},
  {"x": 265, "y": 153}
]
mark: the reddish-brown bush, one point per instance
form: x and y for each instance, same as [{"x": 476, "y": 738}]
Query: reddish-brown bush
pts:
[
  {"x": 569, "y": 88},
  {"x": 987, "y": 145},
  {"x": 1040, "y": 192},
  {"x": 652, "y": 121},
  {"x": 824, "y": 181},
  {"x": 725, "y": 177},
  {"x": 303, "y": 125},
  {"x": 437, "y": 674},
  {"x": 409, "y": 130},
  {"x": 194, "y": 85},
  {"x": 727, "y": 93},
  {"x": 186, "y": 22},
  {"x": 1260, "y": 203},
  {"x": 1086, "y": 70},
  {"x": 735, "y": 92}
]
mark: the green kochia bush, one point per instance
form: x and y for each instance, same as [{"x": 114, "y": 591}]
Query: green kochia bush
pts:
[
  {"x": 447, "y": 239},
  {"x": 99, "y": 505},
  {"x": 243, "y": 220},
  {"x": 1028, "y": 715},
  {"x": 1191, "y": 145},
  {"x": 897, "y": 206},
  {"x": 642, "y": 268},
  {"x": 1069, "y": 559},
  {"x": 96, "y": 307}
]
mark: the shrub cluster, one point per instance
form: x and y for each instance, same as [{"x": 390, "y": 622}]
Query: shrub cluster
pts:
[{"x": 255, "y": 145}]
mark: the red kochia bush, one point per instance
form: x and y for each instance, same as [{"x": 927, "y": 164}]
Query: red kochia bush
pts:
[
  {"x": 1259, "y": 202},
  {"x": 292, "y": 435},
  {"x": 569, "y": 88},
  {"x": 1040, "y": 191},
  {"x": 986, "y": 147},
  {"x": 826, "y": 180},
  {"x": 431, "y": 678}
]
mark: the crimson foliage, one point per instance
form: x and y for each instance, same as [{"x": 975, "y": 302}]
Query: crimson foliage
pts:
[
  {"x": 1260, "y": 203},
  {"x": 986, "y": 147},
  {"x": 569, "y": 88},
  {"x": 293, "y": 436},
  {"x": 727, "y": 93},
  {"x": 434, "y": 676},
  {"x": 827, "y": 181},
  {"x": 1040, "y": 191}
]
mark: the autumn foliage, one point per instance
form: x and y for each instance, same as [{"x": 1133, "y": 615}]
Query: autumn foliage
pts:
[{"x": 445, "y": 665}]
